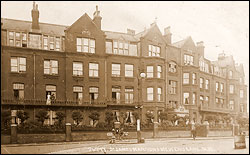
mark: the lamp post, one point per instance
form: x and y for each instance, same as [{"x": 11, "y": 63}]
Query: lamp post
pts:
[{"x": 139, "y": 106}]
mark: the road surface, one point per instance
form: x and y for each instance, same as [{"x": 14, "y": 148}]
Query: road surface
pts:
[{"x": 210, "y": 145}]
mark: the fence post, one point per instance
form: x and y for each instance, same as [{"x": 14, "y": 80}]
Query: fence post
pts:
[
  {"x": 155, "y": 129},
  {"x": 13, "y": 136},
  {"x": 68, "y": 132}
]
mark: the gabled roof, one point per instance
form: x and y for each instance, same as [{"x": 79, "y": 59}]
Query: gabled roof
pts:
[
  {"x": 181, "y": 43},
  {"x": 83, "y": 16},
  {"x": 119, "y": 36},
  {"x": 227, "y": 61},
  {"x": 142, "y": 34},
  {"x": 45, "y": 28},
  {"x": 146, "y": 31},
  {"x": 240, "y": 68}
]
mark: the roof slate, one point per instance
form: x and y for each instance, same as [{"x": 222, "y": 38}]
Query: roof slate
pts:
[
  {"x": 120, "y": 36},
  {"x": 45, "y": 28}
]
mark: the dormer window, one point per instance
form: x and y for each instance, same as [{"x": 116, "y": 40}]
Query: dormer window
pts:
[
  {"x": 18, "y": 39},
  {"x": 85, "y": 45},
  {"x": 121, "y": 48}
]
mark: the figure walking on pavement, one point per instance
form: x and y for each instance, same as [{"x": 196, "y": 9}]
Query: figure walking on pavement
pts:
[{"x": 193, "y": 129}]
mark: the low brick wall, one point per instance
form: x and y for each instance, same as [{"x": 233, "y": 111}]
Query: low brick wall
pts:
[
  {"x": 170, "y": 134},
  {"x": 40, "y": 138},
  {"x": 34, "y": 138},
  {"x": 5, "y": 139},
  {"x": 101, "y": 135},
  {"x": 220, "y": 133}
]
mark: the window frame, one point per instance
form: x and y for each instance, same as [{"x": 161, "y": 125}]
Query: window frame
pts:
[
  {"x": 82, "y": 45},
  {"x": 129, "y": 71},
  {"x": 79, "y": 72},
  {"x": 150, "y": 72},
  {"x": 186, "y": 78},
  {"x": 150, "y": 94},
  {"x": 51, "y": 67},
  {"x": 18, "y": 64},
  {"x": 115, "y": 72},
  {"x": 94, "y": 69}
]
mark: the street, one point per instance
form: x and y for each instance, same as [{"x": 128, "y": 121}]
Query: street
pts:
[{"x": 208, "y": 145}]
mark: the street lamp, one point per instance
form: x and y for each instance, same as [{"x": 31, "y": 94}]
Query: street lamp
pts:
[{"x": 139, "y": 106}]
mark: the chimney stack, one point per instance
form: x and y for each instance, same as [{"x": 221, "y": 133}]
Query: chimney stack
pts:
[
  {"x": 97, "y": 18},
  {"x": 35, "y": 16},
  {"x": 221, "y": 56},
  {"x": 200, "y": 48},
  {"x": 168, "y": 35},
  {"x": 131, "y": 32}
]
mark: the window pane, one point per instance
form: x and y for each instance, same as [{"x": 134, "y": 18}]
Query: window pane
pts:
[
  {"x": 35, "y": 41},
  {"x": 93, "y": 89},
  {"x": 11, "y": 35},
  {"x": 77, "y": 89},
  {"x": 92, "y": 43},
  {"x": 78, "y": 41},
  {"x": 55, "y": 70},
  {"x": 24, "y": 36},
  {"x": 54, "y": 63},
  {"x": 79, "y": 48},
  {"x": 86, "y": 49},
  {"x": 85, "y": 41},
  {"x": 50, "y": 88},
  {"x": 115, "y": 44},
  {"x": 128, "y": 70},
  {"x": 108, "y": 47}
]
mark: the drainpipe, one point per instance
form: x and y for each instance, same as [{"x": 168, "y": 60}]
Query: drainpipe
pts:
[{"x": 34, "y": 80}]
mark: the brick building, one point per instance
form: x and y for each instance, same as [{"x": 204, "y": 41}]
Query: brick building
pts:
[{"x": 86, "y": 68}]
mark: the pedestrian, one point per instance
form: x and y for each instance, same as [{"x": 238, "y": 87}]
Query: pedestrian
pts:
[
  {"x": 193, "y": 129},
  {"x": 48, "y": 102}
]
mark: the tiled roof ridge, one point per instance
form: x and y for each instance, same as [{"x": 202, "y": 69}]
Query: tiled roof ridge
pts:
[
  {"x": 119, "y": 32},
  {"x": 31, "y": 22}
]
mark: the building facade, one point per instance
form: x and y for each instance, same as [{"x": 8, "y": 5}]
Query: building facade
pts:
[{"x": 82, "y": 67}]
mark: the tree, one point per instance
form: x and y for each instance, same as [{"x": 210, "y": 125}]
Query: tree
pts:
[
  {"x": 109, "y": 117},
  {"x": 95, "y": 117},
  {"x": 22, "y": 115},
  {"x": 6, "y": 117},
  {"x": 41, "y": 115},
  {"x": 77, "y": 116},
  {"x": 172, "y": 118},
  {"x": 149, "y": 116},
  {"x": 60, "y": 116},
  {"x": 163, "y": 116}
]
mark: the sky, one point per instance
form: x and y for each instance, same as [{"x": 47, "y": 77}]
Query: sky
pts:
[{"x": 221, "y": 25}]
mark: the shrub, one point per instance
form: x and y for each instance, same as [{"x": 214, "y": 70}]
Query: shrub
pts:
[
  {"x": 60, "y": 116},
  {"x": 42, "y": 115},
  {"x": 95, "y": 117},
  {"x": 109, "y": 117},
  {"x": 23, "y": 116},
  {"x": 77, "y": 116},
  {"x": 163, "y": 116},
  {"x": 6, "y": 118},
  {"x": 149, "y": 116}
]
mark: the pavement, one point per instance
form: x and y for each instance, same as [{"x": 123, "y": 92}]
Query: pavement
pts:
[{"x": 202, "y": 145}]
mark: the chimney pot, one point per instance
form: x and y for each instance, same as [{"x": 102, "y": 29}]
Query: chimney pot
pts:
[
  {"x": 35, "y": 16},
  {"x": 97, "y": 18},
  {"x": 201, "y": 43},
  {"x": 167, "y": 30}
]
